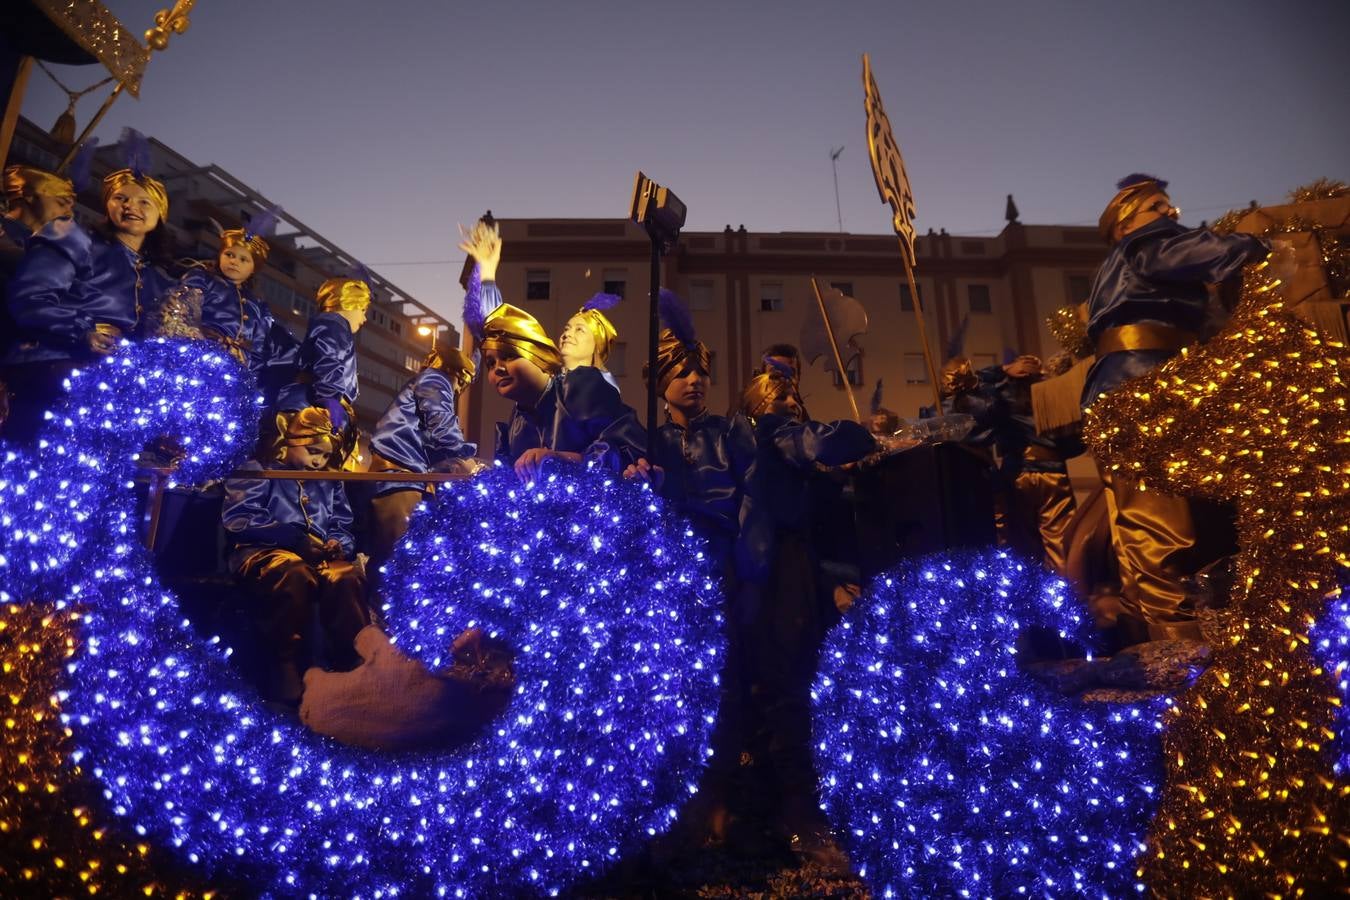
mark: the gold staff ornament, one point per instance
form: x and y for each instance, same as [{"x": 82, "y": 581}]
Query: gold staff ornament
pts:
[
  {"x": 167, "y": 22},
  {"x": 888, "y": 168}
]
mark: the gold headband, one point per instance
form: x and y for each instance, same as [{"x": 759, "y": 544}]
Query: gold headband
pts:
[
  {"x": 510, "y": 327},
  {"x": 237, "y": 237},
  {"x": 958, "y": 376},
  {"x": 335, "y": 294},
  {"x": 26, "y": 181},
  {"x": 602, "y": 331},
  {"x": 152, "y": 186},
  {"x": 1125, "y": 204},
  {"x": 456, "y": 366},
  {"x": 311, "y": 425},
  {"x": 764, "y": 389},
  {"x": 672, "y": 357}
]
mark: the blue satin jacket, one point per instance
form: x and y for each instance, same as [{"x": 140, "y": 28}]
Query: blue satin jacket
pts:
[
  {"x": 780, "y": 492},
  {"x": 271, "y": 351},
  {"x": 71, "y": 280},
  {"x": 577, "y": 413},
  {"x": 327, "y": 365},
  {"x": 708, "y": 467},
  {"x": 420, "y": 429},
  {"x": 1157, "y": 275},
  {"x": 260, "y": 513}
]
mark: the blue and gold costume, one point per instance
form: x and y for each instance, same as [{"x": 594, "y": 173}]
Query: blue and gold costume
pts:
[
  {"x": 578, "y": 412},
  {"x": 419, "y": 432},
  {"x": 244, "y": 323},
  {"x": 278, "y": 530},
  {"x": 1148, "y": 301},
  {"x": 69, "y": 283}
]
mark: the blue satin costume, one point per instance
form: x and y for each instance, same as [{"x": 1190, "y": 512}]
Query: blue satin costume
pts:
[
  {"x": 420, "y": 430},
  {"x": 244, "y": 322},
  {"x": 264, "y": 513},
  {"x": 71, "y": 280},
  {"x": 708, "y": 470},
  {"x": 578, "y": 413},
  {"x": 1157, "y": 274},
  {"x": 327, "y": 367}
]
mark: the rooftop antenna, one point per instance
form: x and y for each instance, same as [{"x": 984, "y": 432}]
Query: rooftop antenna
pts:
[{"x": 834, "y": 164}]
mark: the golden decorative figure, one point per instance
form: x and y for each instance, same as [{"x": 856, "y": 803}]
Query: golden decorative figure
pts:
[
  {"x": 97, "y": 30},
  {"x": 888, "y": 167},
  {"x": 1258, "y": 417},
  {"x": 169, "y": 21},
  {"x": 54, "y": 839}
]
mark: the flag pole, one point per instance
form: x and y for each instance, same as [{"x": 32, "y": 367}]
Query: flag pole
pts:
[{"x": 834, "y": 345}]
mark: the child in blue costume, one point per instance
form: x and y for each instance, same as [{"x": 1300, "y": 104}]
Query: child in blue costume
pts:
[
  {"x": 1148, "y": 301},
  {"x": 796, "y": 603},
  {"x": 419, "y": 432},
  {"x": 76, "y": 293},
  {"x": 328, "y": 376},
  {"x": 703, "y": 467},
  {"x": 238, "y": 318},
  {"x": 574, "y": 418},
  {"x": 587, "y": 337},
  {"x": 291, "y": 545}
]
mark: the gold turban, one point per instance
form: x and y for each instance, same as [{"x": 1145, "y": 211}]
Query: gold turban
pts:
[
  {"x": 672, "y": 357},
  {"x": 510, "y": 327},
  {"x": 602, "y": 331},
  {"x": 311, "y": 425},
  {"x": 764, "y": 389},
  {"x": 1125, "y": 204},
  {"x": 236, "y": 237},
  {"x": 26, "y": 181},
  {"x": 343, "y": 293},
  {"x": 152, "y": 186},
  {"x": 958, "y": 376},
  {"x": 456, "y": 366}
]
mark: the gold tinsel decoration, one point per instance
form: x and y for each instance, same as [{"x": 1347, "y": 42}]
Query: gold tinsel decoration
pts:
[
  {"x": 55, "y": 838},
  {"x": 1257, "y": 418},
  {"x": 1067, "y": 326},
  {"x": 1321, "y": 189}
]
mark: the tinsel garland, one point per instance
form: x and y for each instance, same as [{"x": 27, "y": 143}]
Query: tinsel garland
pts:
[
  {"x": 1067, "y": 326},
  {"x": 1253, "y": 804}
]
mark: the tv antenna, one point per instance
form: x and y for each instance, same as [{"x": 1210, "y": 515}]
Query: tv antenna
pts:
[{"x": 834, "y": 164}]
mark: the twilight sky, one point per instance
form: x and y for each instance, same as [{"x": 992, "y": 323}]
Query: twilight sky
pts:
[{"x": 382, "y": 124}]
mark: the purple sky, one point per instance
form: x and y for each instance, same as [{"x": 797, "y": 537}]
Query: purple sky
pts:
[{"x": 382, "y": 124}]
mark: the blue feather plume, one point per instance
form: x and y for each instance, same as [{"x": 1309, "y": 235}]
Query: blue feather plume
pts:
[
  {"x": 263, "y": 224},
  {"x": 876, "y": 398},
  {"x": 602, "y": 301},
  {"x": 82, "y": 166},
  {"x": 1139, "y": 178},
  {"x": 1009, "y": 354},
  {"x": 676, "y": 317},
  {"x": 956, "y": 344},
  {"x": 361, "y": 273},
  {"x": 473, "y": 305},
  {"x": 136, "y": 152}
]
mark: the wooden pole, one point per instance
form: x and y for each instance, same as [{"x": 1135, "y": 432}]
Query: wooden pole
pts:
[
  {"x": 923, "y": 331},
  {"x": 834, "y": 345}
]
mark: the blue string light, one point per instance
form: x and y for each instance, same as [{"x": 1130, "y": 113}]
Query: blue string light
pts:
[
  {"x": 948, "y": 771},
  {"x": 1330, "y": 636},
  {"x": 608, "y": 604}
]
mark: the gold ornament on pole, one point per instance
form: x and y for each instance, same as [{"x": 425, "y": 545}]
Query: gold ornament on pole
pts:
[
  {"x": 888, "y": 168},
  {"x": 167, "y": 21}
]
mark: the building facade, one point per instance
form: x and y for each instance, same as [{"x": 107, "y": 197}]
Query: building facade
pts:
[
  {"x": 748, "y": 290},
  {"x": 204, "y": 198}
]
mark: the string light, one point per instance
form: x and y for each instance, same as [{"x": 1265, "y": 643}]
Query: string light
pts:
[
  {"x": 948, "y": 771},
  {"x": 604, "y": 739}
]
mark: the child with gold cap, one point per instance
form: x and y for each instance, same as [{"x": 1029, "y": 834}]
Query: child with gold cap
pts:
[
  {"x": 572, "y": 417},
  {"x": 327, "y": 359},
  {"x": 232, "y": 312},
  {"x": 33, "y": 198},
  {"x": 76, "y": 293},
  {"x": 291, "y": 545},
  {"x": 588, "y": 336},
  {"x": 797, "y": 599},
  {"x": 419, "y": 432}
]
